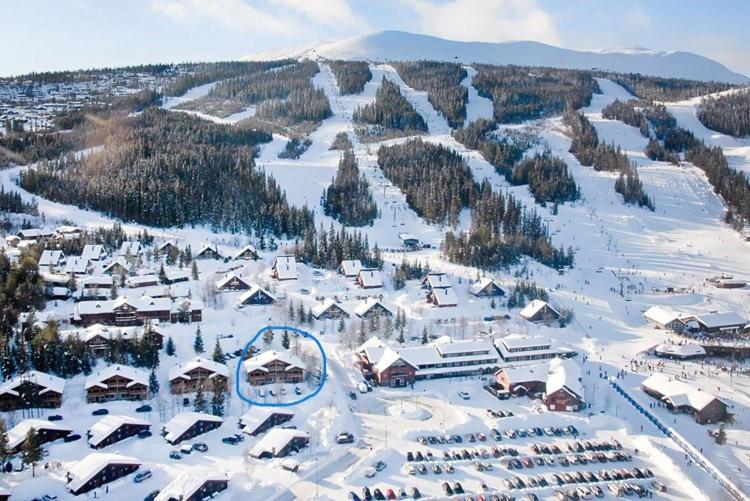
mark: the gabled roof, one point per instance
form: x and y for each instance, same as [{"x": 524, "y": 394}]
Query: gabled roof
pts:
[
  {"x": 285, "y": 267},
  {"x": 254, "y": 289},
  {"x": 180, "y": 371},
  {"x": 133, "y": 247},
  {"x": 661, "y": 315},
  {"x": 719, "y": 320},
  {"x": 256, "y": 416},
  {"x": 183, "y": 421},
  {"x": 93, "y": 252},
  {"x": 534, "y": 307},
  {"x": 327, "y": 304},
  {"x": 678, "y": 392},
  {"x": 136, "y": 376},
  {"x": 109, "y": 424},
  {"x": 103, "y": 331},
  {"x": 117, "y": 261},
  {"x": 77, "y": 265},
  {"x": 188, "y": 484},
  {"x": 51, "y": 257},
  {"x": 174, "y": 274},
  {"x": 139, "y": 280},
  {"x": 258, "y": 361},
  {"x": 526, "y": 373},
  {"x": 98, "y": 280},
  {"x": 87, "y": 468},
  {"x": 564, "y": 374},
  {"x": 46, "y": 381},
  {"x": 482, "y": 284},
  {"x": 444, "y": 296},
  {"x": 390, "y": 357},
  {"x": 17, "y": 434},
  {"x": 248, "y": 248},
  {"x": 168, "y": 243},
  {"x": 276, "y": 439},
  {"x": 228, "y": 277},
  {"x": 681, "y": 350},
  {"x": 370, "y": 277},
  {"x": 363, "y": 308},
  {"x": 350, "y": 267},
  {"x": 436, "y": 279},
  {"x": 208, "y": 248}
]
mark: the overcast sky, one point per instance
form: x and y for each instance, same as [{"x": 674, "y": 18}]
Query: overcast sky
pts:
[{"x": 39, "y": 35}]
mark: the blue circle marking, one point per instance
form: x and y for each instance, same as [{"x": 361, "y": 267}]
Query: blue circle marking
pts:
[{"x": 304, "y": 334}]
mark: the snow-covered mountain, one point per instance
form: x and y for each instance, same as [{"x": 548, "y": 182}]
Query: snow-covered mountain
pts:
[{"x": 399, "y": 45}]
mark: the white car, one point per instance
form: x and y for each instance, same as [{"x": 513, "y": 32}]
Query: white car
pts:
[
  {"x": 362, "y": 387},
  {"x": 464, "y": 395},
  {"x": 410, "y": 469},
  {"x": 370, "y": 472}
]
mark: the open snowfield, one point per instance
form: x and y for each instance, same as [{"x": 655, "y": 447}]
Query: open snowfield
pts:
[{"x": 626, "y": 257}]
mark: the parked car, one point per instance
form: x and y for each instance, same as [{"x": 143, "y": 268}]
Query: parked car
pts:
[
  {"x": 141, "y": 476},
  {"x": 230, "y": 440},
  {"x": 175, "y": 455},
  {"x": 344, "y": 438},
  {"x": 297, "y": 390},
  {"x": 415, "y": 494},
  {"x": 352, "y": 395},
  {"x": 200, "y": 447},
  {"x": 464, "y": 395},
  {"x": 143, "y": 408},
  {"x": 151, "y": 496},
  {"x": 54, "y": 417},
  {"x": 144, "y": 434},
  {"x": 72, "y": 437},
  {"x": 353, "y": 496},
  {"x": 380, "y": 466},
  {"x": 100, "y": 412}
]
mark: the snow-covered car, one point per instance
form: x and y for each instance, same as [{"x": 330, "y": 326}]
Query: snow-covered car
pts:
[
  {"x": 344, "y": 438},
  {"x": 174, "y": 455},
  {"x": 464, "y": 395},
  {"x": 370, "y": 472},
  {"x": 141, "y": 476},
  {"x": 380, "y": 465},
  {"x": 362, "y": 387}
]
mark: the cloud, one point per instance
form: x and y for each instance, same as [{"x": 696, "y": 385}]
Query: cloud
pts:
[
  {"x": 291, "y": 18},
  {"x": 485, "y": 20}
]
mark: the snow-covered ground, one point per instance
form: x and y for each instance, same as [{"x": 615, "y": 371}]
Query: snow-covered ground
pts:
[{"x": 625, "y": 258}]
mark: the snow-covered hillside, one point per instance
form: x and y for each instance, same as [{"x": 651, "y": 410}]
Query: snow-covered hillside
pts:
[{"x": 399, "y": 45}]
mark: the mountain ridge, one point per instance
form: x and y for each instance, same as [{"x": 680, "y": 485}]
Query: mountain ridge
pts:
[{"x": 405, "y": 46}]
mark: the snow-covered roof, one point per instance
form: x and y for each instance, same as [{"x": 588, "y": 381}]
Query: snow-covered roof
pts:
[
  {"x": 372, "y": 349},
  {"x": 521, "y": 342},
  {"x": 187, "y": 484},
  {"x": 98, "y": 280},
  {"x": 168, "y": 243},
  {"x": 285, "y": 267},
  {"x": 180, "y": 371},
  {"x": 678, "y": 392},
  {"x": 258, "y": 361},
  {"x": 17, "y": 434},
  {"x": 104, "y": 331},
  {"x": 448, "y": 346},
  {"x": 719, "y": 320},
  {"x": 228, "y": 278},
  {"x": 47, "y": 381},
  {"x": 134, "y": 248},
  {"x": 363, "y": 308},
  {"x": 481, "y": 284},
  {"x": 444, "y": 296},
  {"x": 350, "y": 267},
  {"x": 681, "y": 350},
  {"x": 247, "y": 248},
  {"x": 565, "y": 374},
  {"x": 526, "y": 373},
  {"x": 143, "y": 303},
  {"x": 108, "y": 425},
  {"x": 182, "y": 422},
  {"x": 534, "y": 307},
  {"x": 368, "y": 277},
  {"x": 661, "y": 315},
  {"x": 436, "y": 279},
  {"x": 68, "y": 229},
  {"x": 324, "y": 306},
  {"x": 51, "y": 257},
  {"x": 256, "y": 416},
  {"x": 176, "y": 274},
  {"x": 93, "y": 252},
  {"x": 207, "y": 248},
  {"x": 136, "y": 376},
  {"x": 35, "y": 233},
  {"x": 388, "y": 357},
  {"x": 87, "y": 468},
  {"x": 141, "y": 280},
  {"x": 253, "y": 290},
  {"x": 117, "y": 261},
  {"x": 276, "y": 439},
  {"x": 77, "y": 265}
]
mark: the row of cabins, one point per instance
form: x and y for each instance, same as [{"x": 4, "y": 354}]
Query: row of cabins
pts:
[
  {"x": 125, "y": 311},
  {"x": 727, "y": 323},
  {"x": 99, "y": 468},
  {"x": 557, "y": 383},
  {"x": 447, "y": 357}
]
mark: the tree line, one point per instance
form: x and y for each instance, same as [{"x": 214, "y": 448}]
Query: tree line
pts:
[
  {"x": 390, "y": 111},
  {"x": 326, "y": 249},
  {"x": 729, "y": 113},
  {"x": 522, "y": 93},
  {"x": 204, "y": 73},
  {"x": 351, "y": 76},
  {"x": 585, "y": 146},
  {"x": 548, "y": 178},
  {"x": 348, "y": 199},
  {"x": 442, "y": 82},
  {"x": 172, "y": 169},
  {"x": 664, "y": 89}
]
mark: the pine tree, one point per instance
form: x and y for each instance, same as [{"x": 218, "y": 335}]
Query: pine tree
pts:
[
  {"x": 387, "y": 328},
  {"x": 170, "y": 348},
  {"x": 424, "y": 335},
  {"x": 341, "y": 326},
  {"x": 310, "y": 319},
  {"x": 301, "y": 315},
  {"x": 285, "y": 340},
  {"x": 194, "y": 271},
  {"x": 198, "y": 342},
  {"x": 162, "y": 274},
  {"x": 291, "y": 311},
  {"x": 217, "y": 401},
  {"x": 721, "y": 435},
  {"x": 153, "y": 383},
  {"x": 401, "y": 338},
  {"x": 31, "y": 451},
  {"x": 218, "y": 355},
  {"x": 199, "y": 404}
]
